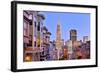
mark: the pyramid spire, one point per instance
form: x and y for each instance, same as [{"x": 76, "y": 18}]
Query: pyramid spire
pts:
[
  {"x": 58, "y": 38},
  {"x": 58, "y": 21}
]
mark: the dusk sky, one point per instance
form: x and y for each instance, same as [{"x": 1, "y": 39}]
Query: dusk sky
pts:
[{"x": 68, "y": 21}]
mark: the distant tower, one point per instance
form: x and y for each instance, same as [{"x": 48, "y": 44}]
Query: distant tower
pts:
[
  {"x": 85, "y": 39},
  {"x": 73, "y": 35},
  {"x": 58, "y": 39}
]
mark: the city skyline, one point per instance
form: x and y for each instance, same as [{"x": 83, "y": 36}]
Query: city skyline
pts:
[
  {"x": 38, "y": 39},
  {"x": 67, "y": 22}
]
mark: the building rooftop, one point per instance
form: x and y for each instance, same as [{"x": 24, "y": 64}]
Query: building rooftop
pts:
[
  {"x": 44, "y": 28},
  {"x": 42, "y": 16},
  {"x": 49, "y": 33}
]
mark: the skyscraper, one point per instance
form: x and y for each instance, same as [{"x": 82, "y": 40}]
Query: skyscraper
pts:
[
  {"x": 58, "y": 39},
  {"x": 73, "y": 35},
  {"x": 85, "y": 39}
]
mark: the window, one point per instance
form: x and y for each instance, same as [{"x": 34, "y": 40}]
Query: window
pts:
[
  {"x": 38, "y": 28},
  {"x": 35, "y": 44},
  {"x": 35, "y": 23},
  {"x": 26, "y": 28}
]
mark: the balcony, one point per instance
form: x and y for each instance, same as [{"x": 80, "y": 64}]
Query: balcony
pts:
[{"x": 31, "y": 50}]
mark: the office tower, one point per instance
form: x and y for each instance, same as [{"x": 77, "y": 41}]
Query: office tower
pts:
[
  {"x": 73, "y": 35},
  {"x": 85, "y": 39},
  {"x": 58, "y": 39}
]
